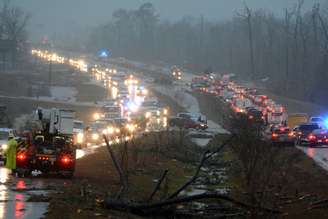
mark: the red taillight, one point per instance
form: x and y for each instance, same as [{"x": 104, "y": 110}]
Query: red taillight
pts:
[
  {"x": 251, "y": 117},
  {"x": 282, "y": 129},
  {"x": 274, "y": 135},
  {"x": 312, "y": 137},
  {"x": 291, "y": 134},
  {"x": 66, "y": 159},
  {"x": 21, "y": 157}
]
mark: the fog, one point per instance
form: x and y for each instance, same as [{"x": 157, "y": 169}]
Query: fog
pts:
[
  {"x": 49, "y": 17},
  {"x": 264, "y": 39}
]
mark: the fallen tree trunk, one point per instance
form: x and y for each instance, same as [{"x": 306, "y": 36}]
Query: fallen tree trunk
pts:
[
  {"x": 123, "y": 180},
  {"x": 150, "y": 209}
]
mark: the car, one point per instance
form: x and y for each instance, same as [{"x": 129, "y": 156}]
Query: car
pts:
[
  {"x": 251, "y": 91},
  {"x": 304, "y": 135},
  {"x": 259, "y": 100},
  {"x": 283, "y": 135},
  {"x": 4, "y": 134},
  {"x": 318, "y": 120},
  {"x": 319, "y": 137},
  {"x": 255, "y": 115}
]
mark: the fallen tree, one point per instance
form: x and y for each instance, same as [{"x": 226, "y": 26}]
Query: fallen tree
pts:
[{"x": 168, "y": 206}]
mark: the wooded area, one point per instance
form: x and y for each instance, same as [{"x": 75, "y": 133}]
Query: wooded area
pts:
[{"x": 290, "y": 50}]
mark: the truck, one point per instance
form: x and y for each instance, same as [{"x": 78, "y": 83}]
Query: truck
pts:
[
  {"x": 78, "y": 133},
  {"x": 176, "y": 73},
  {"x": 188, "y": 120},
  {"x": 296, "y": 119},
  {"x": 49, "y": 148}
]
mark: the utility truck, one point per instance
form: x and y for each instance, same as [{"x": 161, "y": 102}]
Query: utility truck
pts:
[{"x": 49, "y": 147}]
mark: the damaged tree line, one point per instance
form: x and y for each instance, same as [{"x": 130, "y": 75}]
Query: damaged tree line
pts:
[
  {"x": 258, "y": 166},
  {"x": 290, "y": 49}
]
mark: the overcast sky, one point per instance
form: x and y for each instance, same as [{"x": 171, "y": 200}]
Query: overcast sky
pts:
[{"x": 63, "y": 15}]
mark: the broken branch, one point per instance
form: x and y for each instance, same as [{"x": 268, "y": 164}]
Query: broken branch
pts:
[
  {"x": 204, "y": 158},
  {"x": 123, "y": 180},
  {"x": 158, "y": 185}
]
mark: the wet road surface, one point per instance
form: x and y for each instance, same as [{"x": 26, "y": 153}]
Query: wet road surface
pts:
[
  {"x": 14, "y": 193},
  {"x": 318, "y": 154}
]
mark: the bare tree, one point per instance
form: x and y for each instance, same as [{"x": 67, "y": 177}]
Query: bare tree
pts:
[
  {"x": 248, "y": 17},
  {"x": 13, "y": 27}
]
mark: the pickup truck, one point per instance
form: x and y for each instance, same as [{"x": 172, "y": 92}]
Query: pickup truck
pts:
[{"x": 189, "y": 121}]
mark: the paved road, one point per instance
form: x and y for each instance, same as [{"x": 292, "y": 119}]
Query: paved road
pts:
[
  {"x": 13, "y": 195},
  {"x": 14, "y": 192}
]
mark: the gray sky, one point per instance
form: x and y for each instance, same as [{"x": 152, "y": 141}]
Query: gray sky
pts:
[{"x": 70, "y": 15}]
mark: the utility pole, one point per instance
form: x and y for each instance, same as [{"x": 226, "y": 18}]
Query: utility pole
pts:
[{"x": 50, "y": 72}]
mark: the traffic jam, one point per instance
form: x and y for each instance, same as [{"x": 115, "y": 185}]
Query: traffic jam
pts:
[
  {"x": 131, "y": 110},
  {"x": 55, "y": 138},
  {"x": 277, "y": 125}
]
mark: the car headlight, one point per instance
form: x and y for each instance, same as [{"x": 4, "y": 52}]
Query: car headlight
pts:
[
  {"x": 165, "y": 111},
  {"x": 80, "y": 138},
  {"x": 110, "y": 130},
  {"x": 96, "y": 116},
  {"x": 158, "y": 113},
  {"x": 4, "y": 147},
  {"x": 147, "y": 115},
  {"x": 95, "y": 136},
  {"x": 130, "y": 127}
]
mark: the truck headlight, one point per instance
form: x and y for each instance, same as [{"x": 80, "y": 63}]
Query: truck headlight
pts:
[
  {"x": 80, "y": 138},
  {"x": 4, "y": 147}
]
